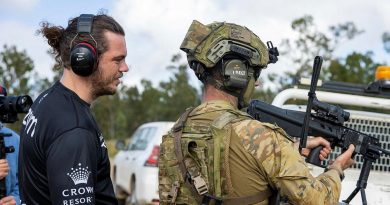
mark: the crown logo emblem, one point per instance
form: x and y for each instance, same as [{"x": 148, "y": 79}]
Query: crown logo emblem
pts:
[{"x": 79, "y": 175}]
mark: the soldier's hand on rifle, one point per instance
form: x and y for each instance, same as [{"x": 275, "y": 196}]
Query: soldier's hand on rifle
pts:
[
  {"x": 8, "y": 200},
  {"x": 344, "y": 161},
  {"x": 314, "y": 142},
  {"x": 4, "y": 168}
]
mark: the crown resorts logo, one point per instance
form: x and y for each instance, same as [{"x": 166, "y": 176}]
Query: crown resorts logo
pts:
[{"x": 79, "y": 175}]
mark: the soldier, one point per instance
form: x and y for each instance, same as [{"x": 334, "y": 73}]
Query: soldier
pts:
[{"x": 217, "y": 154}]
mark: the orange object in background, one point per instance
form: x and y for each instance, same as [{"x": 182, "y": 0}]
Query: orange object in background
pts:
[{"x": 382, "y": 73}]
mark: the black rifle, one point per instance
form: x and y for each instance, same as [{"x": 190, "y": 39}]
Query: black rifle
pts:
[
  {"x": 10, "y": 106},
  {"x": 327, "y": 121}
]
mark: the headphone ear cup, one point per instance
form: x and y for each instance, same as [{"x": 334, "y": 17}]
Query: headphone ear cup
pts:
[
  {"x": 235, "y": 73},
  {"x": 83, "y": 59}
]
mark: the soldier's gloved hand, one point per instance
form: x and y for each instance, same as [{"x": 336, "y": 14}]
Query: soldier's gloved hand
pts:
[
  {"x": 4, "y": 168},
  {"x": 313, "y": 142}
]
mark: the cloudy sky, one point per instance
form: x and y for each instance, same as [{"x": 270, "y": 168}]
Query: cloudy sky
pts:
[{"x": 155, "y": 28}]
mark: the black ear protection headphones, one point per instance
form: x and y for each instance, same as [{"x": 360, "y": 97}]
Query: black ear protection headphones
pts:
[
  {"x": 83, "y": 56},
  {"x": 237, "y": 73}
]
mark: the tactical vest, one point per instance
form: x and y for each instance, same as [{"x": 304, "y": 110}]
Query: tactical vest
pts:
[{"x": 194, "y": 162}]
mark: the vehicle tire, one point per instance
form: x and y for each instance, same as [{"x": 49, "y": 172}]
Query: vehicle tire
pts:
[{"x": 132, "y": 199}]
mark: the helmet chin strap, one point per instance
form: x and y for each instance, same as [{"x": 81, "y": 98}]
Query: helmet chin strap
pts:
[{"x": 246, "y": 94}]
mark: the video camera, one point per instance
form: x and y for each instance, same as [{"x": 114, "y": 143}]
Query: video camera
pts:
[{"x": 10, "y": 106}]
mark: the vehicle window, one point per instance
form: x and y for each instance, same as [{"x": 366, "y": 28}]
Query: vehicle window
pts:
[{"x": 141, "y": 138}]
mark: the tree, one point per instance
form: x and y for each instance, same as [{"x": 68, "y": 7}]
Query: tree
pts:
[
  {"x": 266, "y": 95},
  {"x": 17, "y": 75},
  {"x": 108, "y": 111},
  {"x": 356, "y": 68},
  {"x": 15, "y": 70},
  {"x": 386, "y": 41},
  {"x": 178, "y": 94},
  {"x": 119, "y": 115},
  {"x": 262, "y": 93},
  {"x": 310, "y": 43},
  {"x": 57, "y": 69}
]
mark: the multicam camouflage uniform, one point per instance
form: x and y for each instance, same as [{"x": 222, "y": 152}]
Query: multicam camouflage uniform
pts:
[
  {"x": 261, "y": 156},
  {"x": 226, "y": 154}
]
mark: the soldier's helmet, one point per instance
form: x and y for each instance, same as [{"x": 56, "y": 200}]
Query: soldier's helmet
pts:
[{"x": 208, "y": 44}]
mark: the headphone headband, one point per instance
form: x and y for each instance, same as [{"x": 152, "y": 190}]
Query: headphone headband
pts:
[{"x": 84, "y": 23}]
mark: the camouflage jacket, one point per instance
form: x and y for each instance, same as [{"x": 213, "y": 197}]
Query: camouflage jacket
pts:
[{"x": 262, "y": 156}]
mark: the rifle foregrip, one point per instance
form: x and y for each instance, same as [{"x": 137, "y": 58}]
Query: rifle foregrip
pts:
[{"x": 314, "y": 156}]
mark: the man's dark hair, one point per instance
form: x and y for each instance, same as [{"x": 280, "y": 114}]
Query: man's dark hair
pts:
[
  {"x": 214, "y": 74},
  {"x": 60, "y": 39}
]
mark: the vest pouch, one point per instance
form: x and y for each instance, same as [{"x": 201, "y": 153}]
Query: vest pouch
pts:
[
  {"x": 205, "y": 151},
  {"x": 168, "y": 174},
  {"x": 196, "y": 151}
]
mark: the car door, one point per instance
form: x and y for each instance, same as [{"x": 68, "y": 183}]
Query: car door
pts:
[
  {"x": 125, "y": 168},
  {"x": 136, "y": 150}
]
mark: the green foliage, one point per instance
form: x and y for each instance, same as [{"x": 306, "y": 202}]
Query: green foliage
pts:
[
  {"x": 178, "y": 93},
  {"x": 356, "y": 68},
  {"x": 119, "y": 115},
  {"x": 15, "y": 69},
  {"x": 266, "y": 95},
  {"x": 108, "y": 111},
  {"x": 57, "y": 71},
  {"x": 17, "y": 76}
]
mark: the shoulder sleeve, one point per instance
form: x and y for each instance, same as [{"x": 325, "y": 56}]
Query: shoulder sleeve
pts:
[
  {"x": 285, "y": 168},
  {"x": 72, "y": 167}
]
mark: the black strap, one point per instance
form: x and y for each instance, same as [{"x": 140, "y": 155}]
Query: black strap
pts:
[{"x": 275, "y": 198}]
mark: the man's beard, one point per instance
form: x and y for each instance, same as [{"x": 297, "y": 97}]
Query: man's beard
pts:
[{"x": 101, "y": 85}]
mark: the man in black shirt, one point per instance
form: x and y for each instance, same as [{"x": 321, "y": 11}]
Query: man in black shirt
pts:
[{"x": 63, "y": 158}]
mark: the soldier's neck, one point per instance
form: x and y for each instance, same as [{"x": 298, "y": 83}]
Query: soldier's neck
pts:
[{"x": 211, "y": 94}]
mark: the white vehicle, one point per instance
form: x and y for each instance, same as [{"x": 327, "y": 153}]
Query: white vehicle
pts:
[
  {"x": 135, "y": 171},
  {"x": 371, "y": 119}
]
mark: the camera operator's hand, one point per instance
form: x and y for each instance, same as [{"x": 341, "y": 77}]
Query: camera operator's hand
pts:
[
  {"x": 4, "y": 168},
  {"x": 8, "y": 200},
  {"x": 313, "y": 142}
]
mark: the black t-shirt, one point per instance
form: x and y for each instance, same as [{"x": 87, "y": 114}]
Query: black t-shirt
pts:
[{"x": 63, "y": 158}]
